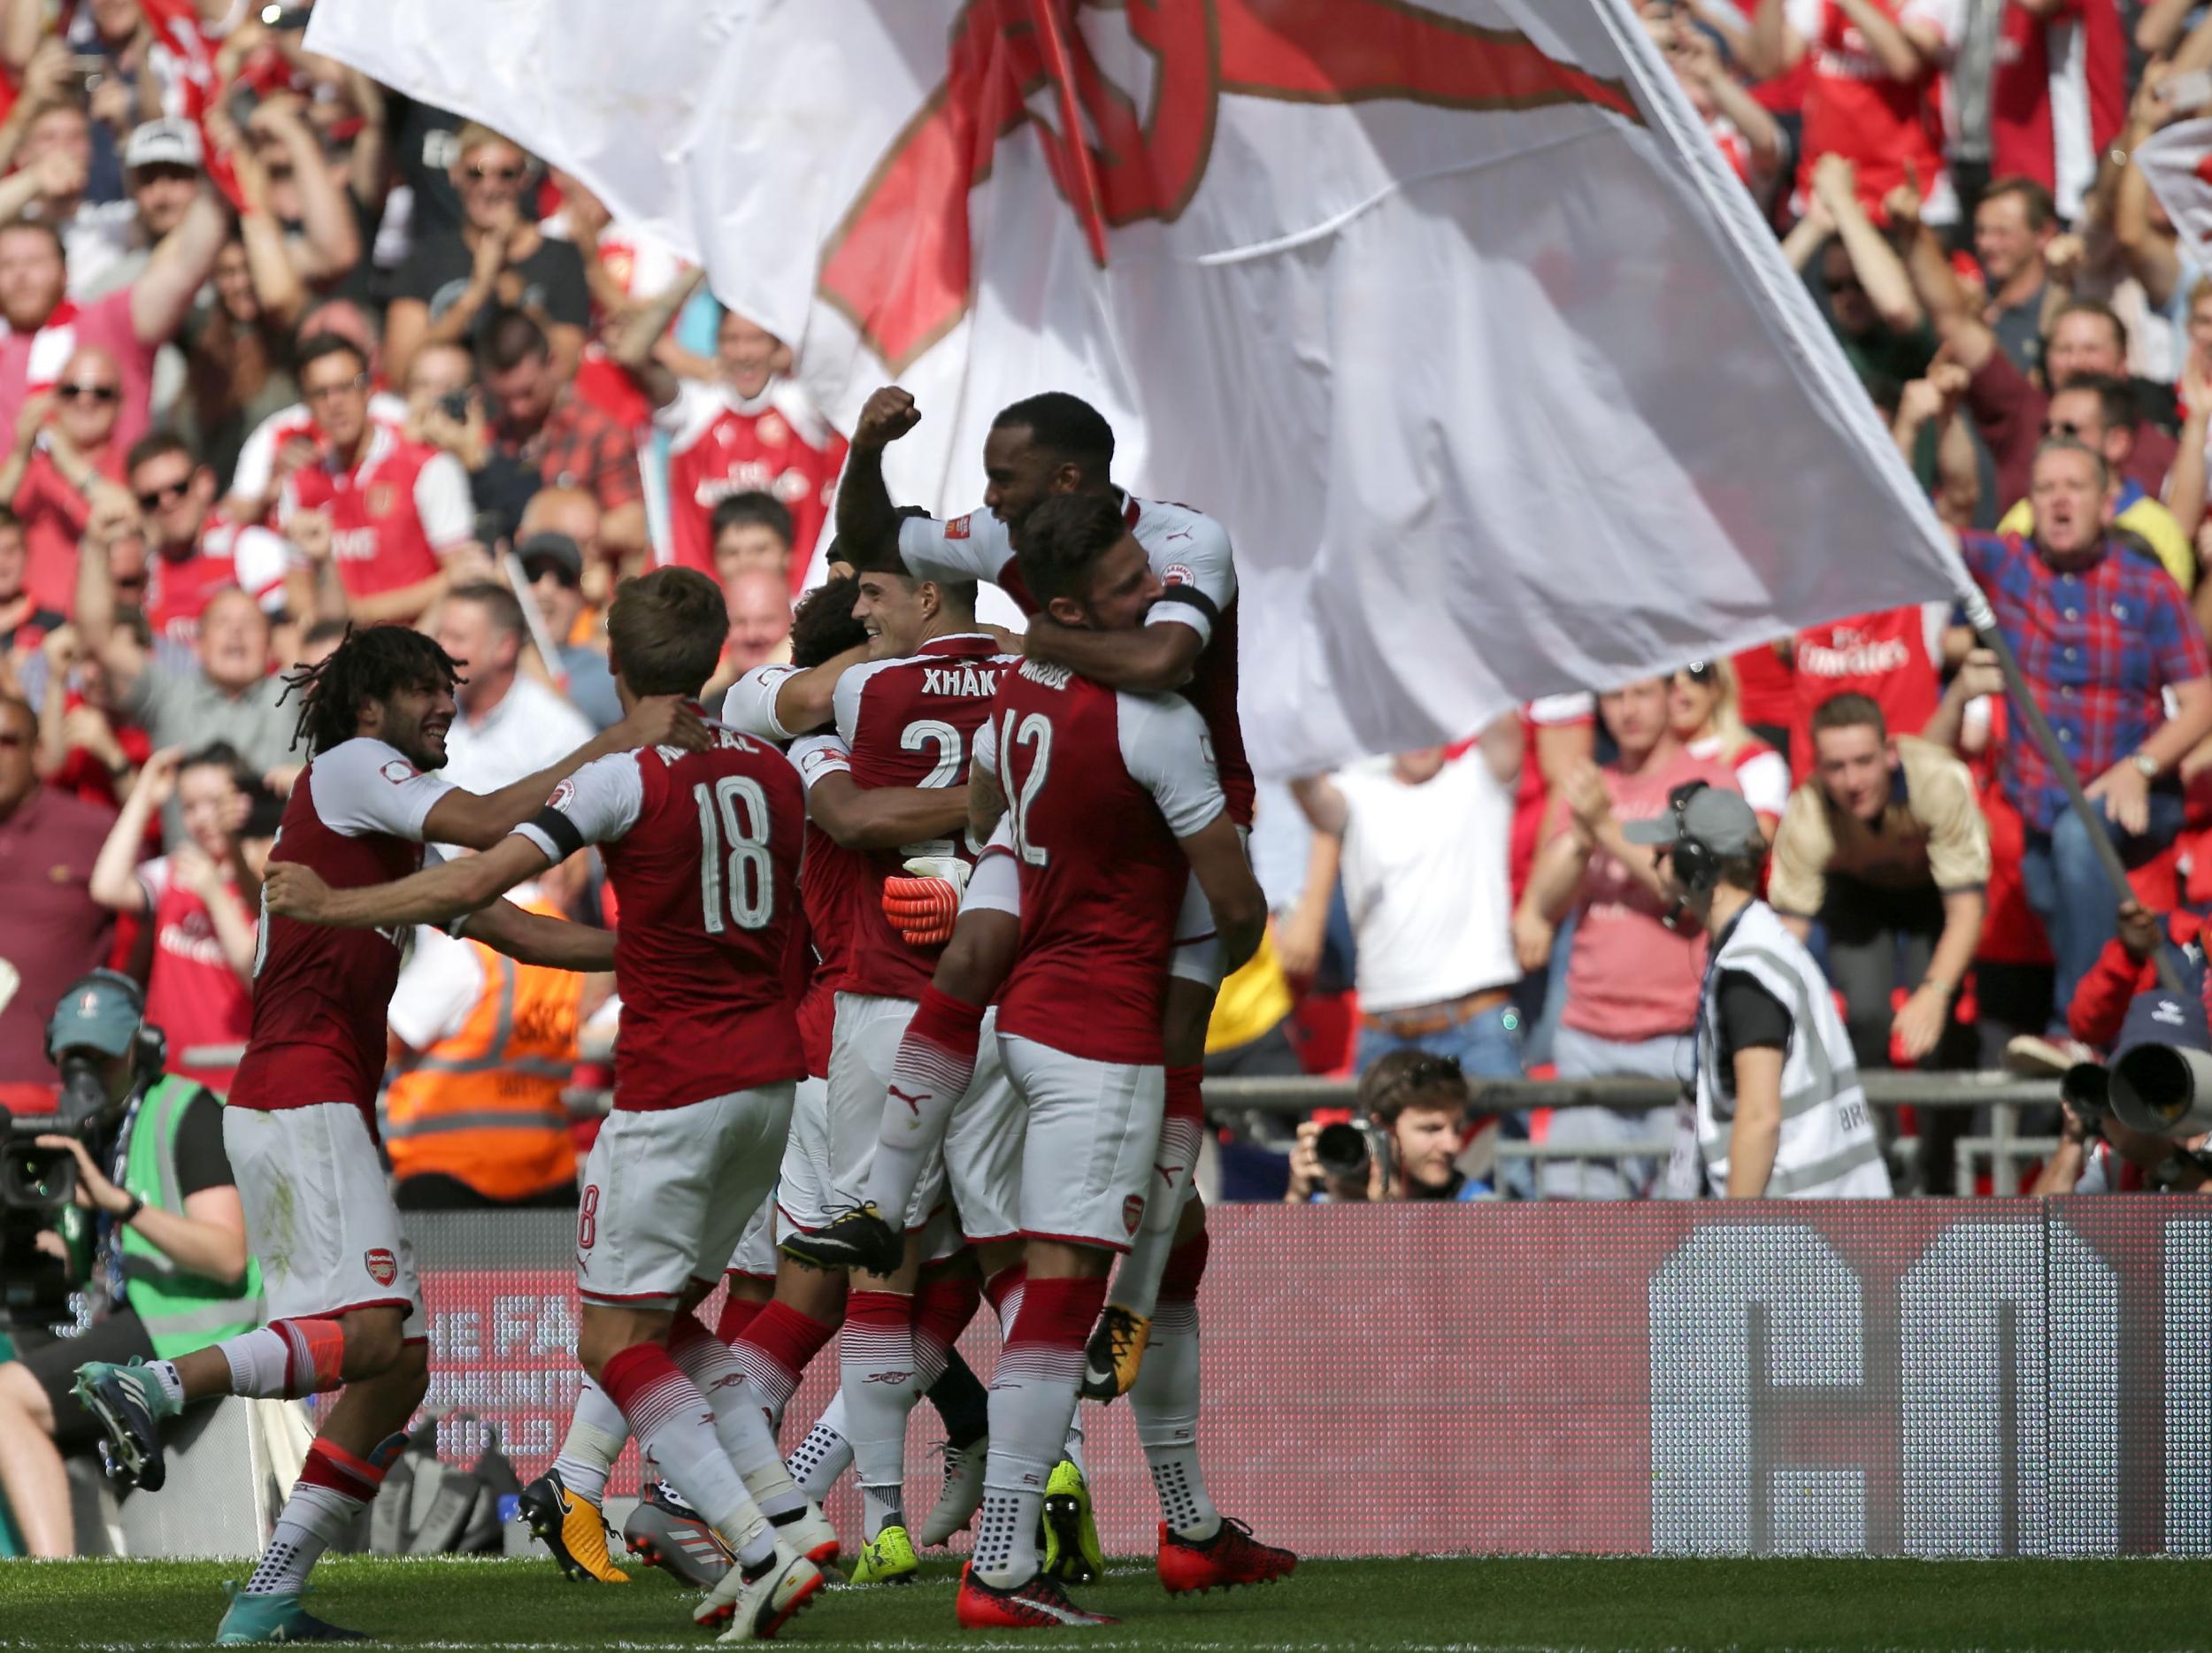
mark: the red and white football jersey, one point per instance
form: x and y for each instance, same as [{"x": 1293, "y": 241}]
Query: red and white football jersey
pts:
[
  {"x": 392, "y": 516},
  {"x": 319, "y": 993},
  {"x": 252, "y": 560},
  {"x": 1099, "y": 786},
  {"x": 702, "y": 851},
  {"x": 1190, "y": 553},
  {"x": 192, "y": 994},
  {"x": 251, "y": 477},
  {"x": 1854, "y": 108},
  {"x": 2058, "y": 95},
  {"x": 1888, "y": 656},
  {"x": 911, "y": 722},
  {"x": 720, "y": 443}
]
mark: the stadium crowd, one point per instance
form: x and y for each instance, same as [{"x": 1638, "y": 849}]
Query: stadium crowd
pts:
[{"x": 285, "y": 351}]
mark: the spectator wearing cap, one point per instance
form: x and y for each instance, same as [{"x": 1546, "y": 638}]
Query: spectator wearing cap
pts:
[
  {"x": 163, "y": 171},
  {"x": 555, "y": 438},
  {"x": 454, "y": 280},
  {"x": 2102, "y": 636},
  {"x": 1422, "y": 844},
  {"x": 1780, "y": 1114},
  {"x": 554, "y": 565},
  {"x": 55, "y": 932},
  {"x": 508, "y": 723},
  {"x": 45, "y": 327},
  {"x": 1886, "y": 848},
  {"x": 65, "y": 454},
  {"x": 1632, "y": 986}
]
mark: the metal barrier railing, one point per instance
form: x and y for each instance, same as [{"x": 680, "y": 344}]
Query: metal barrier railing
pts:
[{"x": 2007, "y": 1151}]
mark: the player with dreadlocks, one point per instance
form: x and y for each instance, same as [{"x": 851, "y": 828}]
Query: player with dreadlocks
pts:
[{"x": 345, "y": 1307}]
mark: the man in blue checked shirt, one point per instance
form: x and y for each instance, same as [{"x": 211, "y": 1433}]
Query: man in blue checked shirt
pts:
[{"x": 2103, "y": 637}]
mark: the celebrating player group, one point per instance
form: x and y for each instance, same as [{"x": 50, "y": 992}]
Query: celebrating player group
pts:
[{"x": 917, "y": 944}]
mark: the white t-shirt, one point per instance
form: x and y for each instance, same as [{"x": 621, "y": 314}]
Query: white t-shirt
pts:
[
  {"x": 438, "y": 989},
  {"x": 530, "y": 729},
  {"x": 1425, "y": 878}
]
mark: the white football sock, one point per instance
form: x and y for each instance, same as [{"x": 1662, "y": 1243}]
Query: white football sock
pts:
[{"x": 596, "y": 1430}]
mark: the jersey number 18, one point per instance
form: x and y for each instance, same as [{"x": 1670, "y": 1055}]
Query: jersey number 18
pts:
[{"x": 735, "y": 868}]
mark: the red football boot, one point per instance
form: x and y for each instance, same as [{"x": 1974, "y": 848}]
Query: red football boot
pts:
[
  {"x": 1040, "y": 1604},
  {"x": 1229, "y": 1558}
]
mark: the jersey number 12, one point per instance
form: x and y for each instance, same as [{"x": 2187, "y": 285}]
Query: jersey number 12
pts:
[
  {"x": 735, "y": 868},
  {"x": 1036, "y": 732}
]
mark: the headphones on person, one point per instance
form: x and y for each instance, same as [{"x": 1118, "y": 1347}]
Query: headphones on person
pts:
[
  {"x": 149, "y": 1046},
  {"x": 1696, "y": 868}
]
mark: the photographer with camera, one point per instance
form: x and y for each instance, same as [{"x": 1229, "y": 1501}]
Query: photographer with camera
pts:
[
  {"x": 2130, "y": 1128},
  {"x": 125, "y": 1186},
  {"x": 1401, "y": 1144},
  {"x": 1779, "y": 1113}
]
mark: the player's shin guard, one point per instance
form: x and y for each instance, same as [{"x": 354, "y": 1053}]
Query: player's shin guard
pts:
[
  {"x": 333, "y": 1488},
  {"x": 936, "y": 1061},
  {"x": 1137, "y": 1281},
  {"x": 876, "y": 1355},
  {"x": 596, "y": 1430},
  {"x": 1166, "y": 1397},
  {"x": 674, "y": 1428},
  {"x": 775, "y": 1352},
  {"x": 286, "y": 1359},
  {"x": 1033, "y": 1397},
  {"x": 739, "y": 1423}
]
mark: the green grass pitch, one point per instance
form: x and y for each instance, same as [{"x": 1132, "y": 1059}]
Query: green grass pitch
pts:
[{"x": 1519, "y": 1605}]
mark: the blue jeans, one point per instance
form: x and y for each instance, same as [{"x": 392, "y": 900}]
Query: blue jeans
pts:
[
  {"x": 2067, "y": 888},
  {"x": 1488, "y": 1046}
]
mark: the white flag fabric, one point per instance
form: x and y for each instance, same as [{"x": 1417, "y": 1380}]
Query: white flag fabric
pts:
[
  {"x": 2177, "y": 165},
  {"x": 1450, "y": 312}
]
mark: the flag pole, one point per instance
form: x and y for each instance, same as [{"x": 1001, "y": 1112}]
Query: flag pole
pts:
[{"x": 1983, "y": 619}]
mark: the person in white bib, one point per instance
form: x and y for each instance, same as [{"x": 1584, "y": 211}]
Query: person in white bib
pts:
[{"x": 1780, "y": 1114}]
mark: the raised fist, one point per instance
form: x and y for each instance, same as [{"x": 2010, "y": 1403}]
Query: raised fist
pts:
[{"x": 889, "y": 414}]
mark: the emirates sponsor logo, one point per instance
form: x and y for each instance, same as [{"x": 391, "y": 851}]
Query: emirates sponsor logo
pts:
[
  {"x": 193, "y": 940},
  {"x": 1854, "y": 658}
]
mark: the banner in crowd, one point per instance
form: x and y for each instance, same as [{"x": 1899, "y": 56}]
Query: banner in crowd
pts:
[
  {"x": 1927, "y": 1377},
  {"x": 1452, "y": 312}
]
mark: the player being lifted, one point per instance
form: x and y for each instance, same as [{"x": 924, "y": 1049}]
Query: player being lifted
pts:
[
  {"x": 702, "y": 851},
  {"x": 345, "y": 1306},
  {"x": 1046, "y": 446},
  {"x": 1114, "y": 808}
]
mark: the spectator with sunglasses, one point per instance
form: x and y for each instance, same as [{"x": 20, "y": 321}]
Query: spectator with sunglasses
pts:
[
  {"x": 65, "y": 453},
  {"x": 196, "y": 552},
  {"x": 1412, "y": 1109},
  {"x": 554, "y": 565},
  {"x": 498, "y": 258}
]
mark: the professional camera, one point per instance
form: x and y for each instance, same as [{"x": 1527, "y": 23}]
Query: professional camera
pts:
[
  {"x": 99, "y": 1017},
  {"x": 2161, "y": 1066},
  {"x": 1345, "y": 1150}
]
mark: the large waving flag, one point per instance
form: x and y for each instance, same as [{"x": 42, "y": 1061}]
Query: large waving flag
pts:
[{"x": 1451, "y": 311}]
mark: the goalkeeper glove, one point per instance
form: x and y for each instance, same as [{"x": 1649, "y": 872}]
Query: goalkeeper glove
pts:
[{"x": 924, "y": 908}]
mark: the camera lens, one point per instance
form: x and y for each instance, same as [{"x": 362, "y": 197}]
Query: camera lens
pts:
[{"x": 1342, "y": 1151}]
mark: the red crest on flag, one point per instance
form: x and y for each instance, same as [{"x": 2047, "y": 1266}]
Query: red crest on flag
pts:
[{"x": 898, "y": 265}]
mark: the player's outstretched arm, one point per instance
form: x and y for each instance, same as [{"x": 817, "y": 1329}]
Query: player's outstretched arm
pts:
[
  {"x": 1150, "y": 660},
  {"x": 867, "y": 522},
  {"x": 430, "y": 897},
  {"x": 807, "y": 698},
  {"x": 530, "y": 938},
  {"x": 1217, "y": 860},
  {"x": 480, "y": 821},
  {"x": 885, "y": 817}
]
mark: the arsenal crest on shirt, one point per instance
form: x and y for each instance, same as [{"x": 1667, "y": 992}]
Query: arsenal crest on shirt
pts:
[
  {"x": 378, "y": 499},
  {"x": 382, "y": 1266}
]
